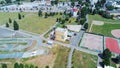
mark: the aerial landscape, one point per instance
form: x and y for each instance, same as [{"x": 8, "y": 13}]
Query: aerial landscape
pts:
[{"x": 59, "y": 33}]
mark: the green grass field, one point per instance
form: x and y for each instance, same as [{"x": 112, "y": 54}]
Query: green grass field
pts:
[
  {"x": 31, "y": 22},
  {"x": 83, "y": 60},
  {"x": 36, "y": 24},
  {"x": 106, "y": 28},
  {"x": 4, "y": 16},
  {"x": 61, "y": 59}
]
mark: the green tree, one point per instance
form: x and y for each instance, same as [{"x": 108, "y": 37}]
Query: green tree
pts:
[
  {"x": 47, "y": 67},
  {"x": 103, "y": 2},
  {"x": 84, "y": 12},
  {"x": 4, "y": 66},
  {"x": 31, "y": 66},
  {"x": 15, "y": 25},
  {"x": 39, "y": 13},
  {"x": 110, "y": 7},
  {"x": 82, "y": 21},
  {"x": 19, "y": 16},
  {"x": 36, "y": 66},
  {"x": 8, "y": 1},
  {"x": 56, "y": 2},
  {"x": 88, "y": 1},
  {"x": 7, "y": 25},
  {"x": 86, "y": 26},
  {"x": 107, "y": 53},
  {"x": 63, "y": 21},
  {"x": 26, "y": 66},
  {"x": 46, "y": 15},
  {"x": 80, "y": 2},
  {"x": 16, "y": 65},
  {"x": 21, "y": 65},
  {"x": 70, "y": 14},
  {"x": 73, "y": 4},
  {"x": 10, "y": 21},
  {"x": 57, "y": 20},
  {"x": 18, "y": 0},
  {"x": 106, "y": 62},
  {"x": 32, "y": 0}
]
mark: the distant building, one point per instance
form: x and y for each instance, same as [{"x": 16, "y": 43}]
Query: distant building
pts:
[
  {"x": 75, "y": 11},
  {"x": 61, "y": 34},
  {"x": 114, "y": 12},
  {"x": 93, "y": 1},
  {"x": 114, "y": 3}
]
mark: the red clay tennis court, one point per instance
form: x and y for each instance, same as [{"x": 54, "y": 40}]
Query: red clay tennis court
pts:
[{"x": 112, "y": 45}]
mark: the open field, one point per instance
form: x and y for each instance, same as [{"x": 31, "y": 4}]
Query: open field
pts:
[
  {"x": 36, "y": 24},
  {"x": 61, "y": 59},
  {"x": 4, "y": 16},
  {"x": 105, "y": 29},
  {"x": 70, "y": 22},
  {"x": 83, "y": 60},
  {"x": 31, "y": 22}
]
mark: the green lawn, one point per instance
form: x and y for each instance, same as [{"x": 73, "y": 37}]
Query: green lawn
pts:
[
  {"x": 83, "y": 60},
  {"x": 70, "y": 22},
  {"x": 31, "y": 22},
  {"x": 4, "y": 16},
  {"x": 61, "y": 59},
  {"x": 106, "y": 28},
  {"x": 36, "y": 24}
]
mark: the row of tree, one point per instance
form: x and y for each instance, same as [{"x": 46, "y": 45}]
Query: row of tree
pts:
[
  {"x": 46, "y": 14},
  {"x": 15, "y": 24},
  {"x": 17, "y": 65}
]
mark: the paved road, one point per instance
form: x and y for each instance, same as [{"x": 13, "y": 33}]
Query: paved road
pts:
[
  {"x": 76, "y": 39},
  {"x": 71, "y": 46},
  {"x": 85, "y": 22}
]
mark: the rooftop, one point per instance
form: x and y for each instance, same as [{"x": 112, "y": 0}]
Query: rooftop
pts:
[{"x": 61, "y": 29}]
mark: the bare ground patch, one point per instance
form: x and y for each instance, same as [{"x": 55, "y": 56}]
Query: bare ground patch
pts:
[{"x": 43, "y": 61}]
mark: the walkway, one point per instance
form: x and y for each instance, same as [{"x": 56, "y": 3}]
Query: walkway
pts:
[{"x": 70, "y": 58}]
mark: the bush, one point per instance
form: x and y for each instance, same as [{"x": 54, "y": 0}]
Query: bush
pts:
[
  {"x": 19, "y": 16},
  {"x": 82, "y": 21},
  {"x": 86, "y": 26},
  {"x": 7, "y": 25},
  {"x": 10, "y": 21},
  {"x": 4, "y": 66}
]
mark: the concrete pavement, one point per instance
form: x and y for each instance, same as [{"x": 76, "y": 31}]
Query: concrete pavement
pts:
[
  {"x": 76, "y": 39},
  {"x": 70, "y": 58}
]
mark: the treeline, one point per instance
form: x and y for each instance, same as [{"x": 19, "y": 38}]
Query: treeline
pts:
[{"x": 19, "y": 65}]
